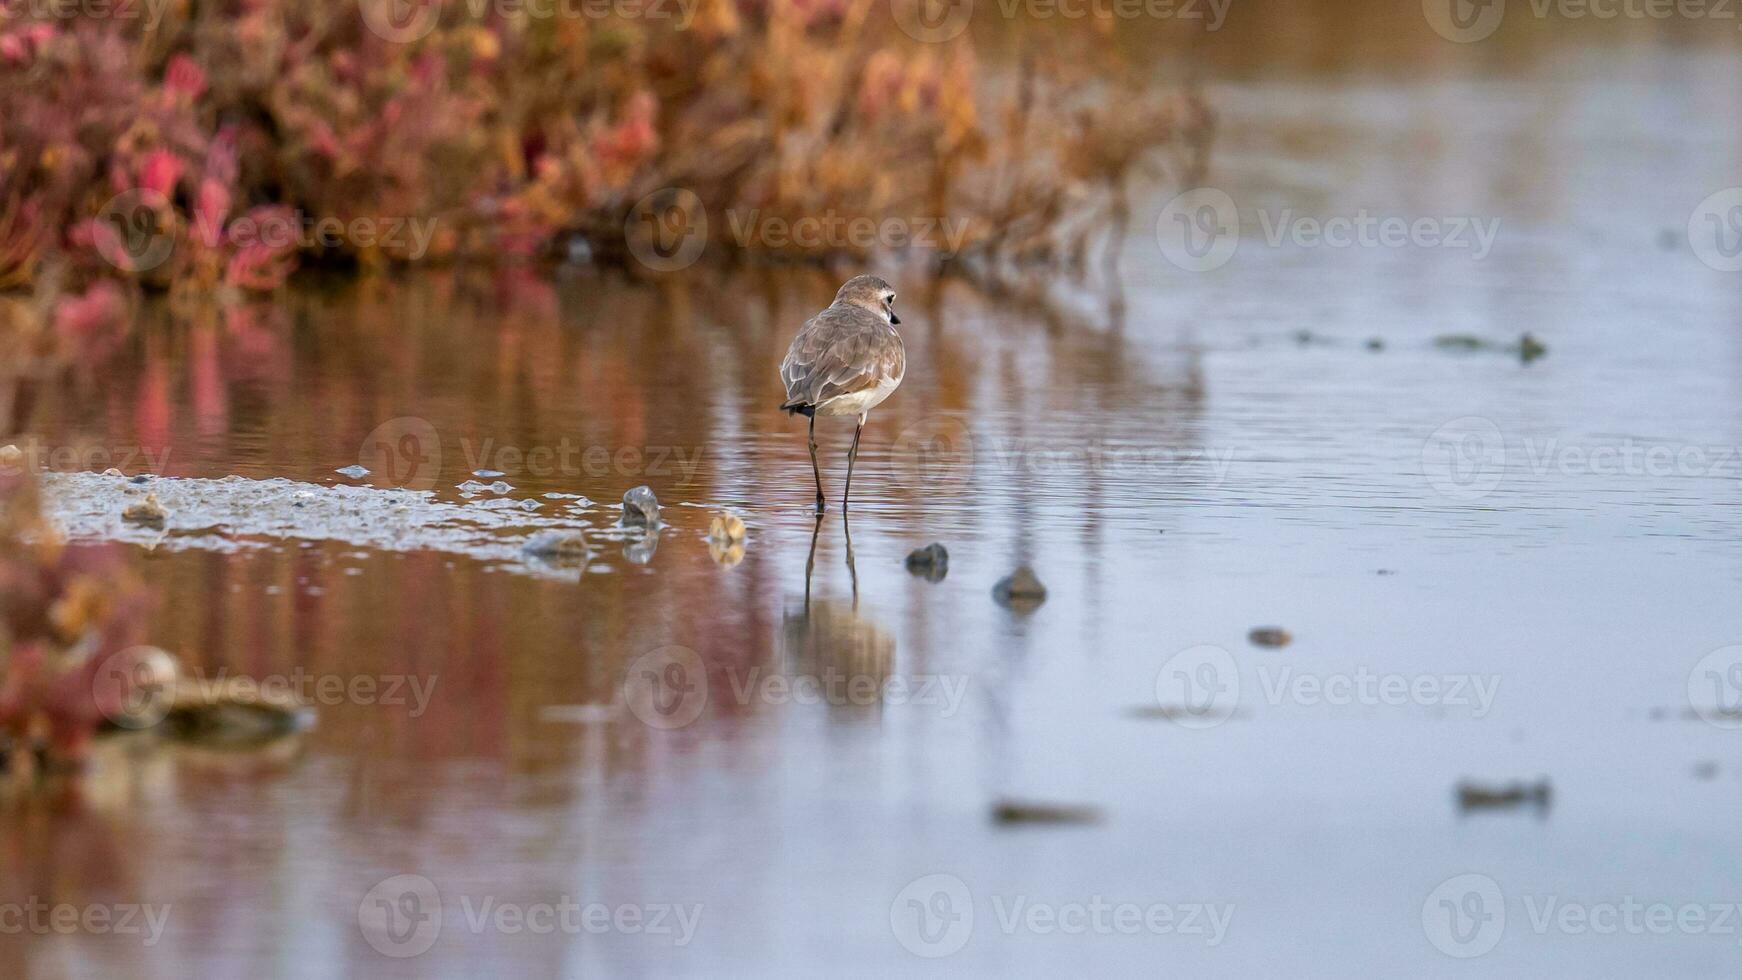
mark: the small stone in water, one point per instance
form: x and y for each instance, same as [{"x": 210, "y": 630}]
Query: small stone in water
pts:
[
  {"x": 141, "y": 478},
  {"x": 640, "y": 508},
  {"x": 1270, "y": 636},
  {"x": 112, "y": 471},
  {"x": 931, "y": 562},
  {"x": 530, "y": 505},
  {"x": 1460, "y": 341},
  {"x": 1476, "y": 796},
  {"x": 1016, "y": 811},
  {"x": 727, "y": 528},
  {"x": 147, "y": 512},
  {"x": 472, "y": 486},
  {"x": 1021, "y": 589},
  {"x": 353, "y": 471},
  {"x": 500, "y": 487},
  {"x": 10, "y": 455},
  {"x": 566, "y": 545},
  {"x": 234, "y": 712},
  {"x": 488, "y": 474}
]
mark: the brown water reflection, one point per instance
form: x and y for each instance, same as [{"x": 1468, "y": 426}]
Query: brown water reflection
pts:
[{"x": 671, "y": 383}]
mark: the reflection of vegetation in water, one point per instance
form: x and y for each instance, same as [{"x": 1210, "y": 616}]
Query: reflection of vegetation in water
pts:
[{"x": 291, "y": 387}]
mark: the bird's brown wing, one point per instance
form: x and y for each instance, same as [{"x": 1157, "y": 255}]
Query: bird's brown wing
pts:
[{"x": 839, "y": 352}]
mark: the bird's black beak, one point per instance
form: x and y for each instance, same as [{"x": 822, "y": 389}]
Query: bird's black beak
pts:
[{"x": 893, "y": 318}]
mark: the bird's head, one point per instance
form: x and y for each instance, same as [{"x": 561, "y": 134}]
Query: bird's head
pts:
[{"x": 869, "y": 293}]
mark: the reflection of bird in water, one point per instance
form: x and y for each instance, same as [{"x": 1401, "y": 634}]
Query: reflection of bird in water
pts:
[
  {"x": 844, "y": 362},
  {"x": 830, "y": 641},
  {"x": 810, "y": 561}
]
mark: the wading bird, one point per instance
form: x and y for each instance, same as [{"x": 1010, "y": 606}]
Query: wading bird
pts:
[{"x": 845, "y": 361}]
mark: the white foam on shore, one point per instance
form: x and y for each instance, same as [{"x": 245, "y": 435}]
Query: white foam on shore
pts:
[{"x": 235, "y": 513}]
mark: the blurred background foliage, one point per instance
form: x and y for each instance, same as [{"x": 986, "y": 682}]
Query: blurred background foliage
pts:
[{"x": 536, "y": 136}]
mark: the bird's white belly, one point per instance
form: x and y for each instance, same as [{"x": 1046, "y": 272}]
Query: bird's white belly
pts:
[{"x": 859, "y": 402}]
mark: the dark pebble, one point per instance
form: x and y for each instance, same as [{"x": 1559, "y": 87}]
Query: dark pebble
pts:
[
  {"x": 1010, "y": 812},
  {"x": 1020, "y": 590},
  {"x": 931, "y": 562},
  {"x": 1270, "y": 636}
]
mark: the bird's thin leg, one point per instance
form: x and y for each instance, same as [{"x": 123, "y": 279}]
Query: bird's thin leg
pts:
[
  {"x": 815, "y": 471},
  {"x": 852, "y": 454}
]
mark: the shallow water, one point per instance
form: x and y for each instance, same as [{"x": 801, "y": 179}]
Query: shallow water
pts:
[{"x": 1503, "y": 539}]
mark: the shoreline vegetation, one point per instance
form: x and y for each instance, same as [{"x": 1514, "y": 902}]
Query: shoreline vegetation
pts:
[{"x": 228, "y": 144}]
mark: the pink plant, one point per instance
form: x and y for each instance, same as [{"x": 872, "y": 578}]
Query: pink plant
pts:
[
  {"x": 23, "y": 45},
  {"x": 630, "y": 142},
  {"x": 68, "y": 616},
  {"x": 159, "y": 171},
  {"x": 183, "y": 78},
  {"x": 211, "y": 207}
]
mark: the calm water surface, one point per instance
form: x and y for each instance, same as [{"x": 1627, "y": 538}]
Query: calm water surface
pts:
[{"x": 1176, "y": 474}]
